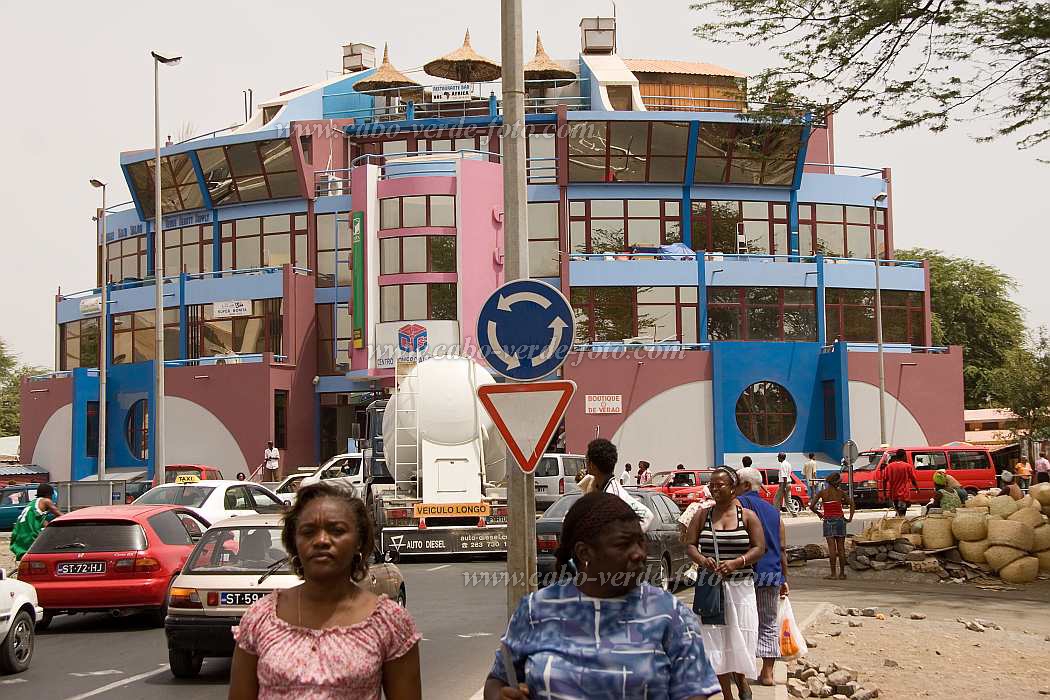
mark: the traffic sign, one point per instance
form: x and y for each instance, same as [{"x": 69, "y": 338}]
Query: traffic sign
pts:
[
  {"x": 850, "y": 451},
  {"x": 525, "y": 329},
  {"x": 527, "y": 415}
]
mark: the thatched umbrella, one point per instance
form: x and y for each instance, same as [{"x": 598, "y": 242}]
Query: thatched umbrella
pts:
[
  {"x": 543, "y": 67},
  {"x": 464, "y": 65},
  {"x": 387, "y": 77}
]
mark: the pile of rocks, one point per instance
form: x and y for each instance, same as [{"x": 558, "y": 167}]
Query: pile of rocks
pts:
[
  {"x": 807, "y": 679},
  {"x": 798, "y": 555},
  {"x": 904, "y": 552}
]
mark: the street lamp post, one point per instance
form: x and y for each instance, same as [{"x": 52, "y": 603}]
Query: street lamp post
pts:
[
  {"x": 103, "y": 334},
  {"x": 158, "y": 270},
  {"x": 880, "y": 197}
]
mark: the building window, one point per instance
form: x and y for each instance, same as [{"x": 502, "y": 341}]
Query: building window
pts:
[
  {"x": 333, "y": 250},
  {"x": 618, "y": 225},
  {"x": 334, "y": 334},
  {"x": 627, "y": 151},
  {"x": 762, "y": 313},
  {"x": 544, "y": 244},
  {"x": 249, "y": 335},
  {"x": 454, "y": 141},
  {"x": 249, "y": 172},
  {"x": 542, "y": 154},
  {"x": 716, "y": 225},
  {"x": 79, "y": 344},
  {"x": 188, "y": 250},
  {"x": 306, "y": 143},
  {"x": 269, "y": 241},
  {"x": 136, "y": 429},
  {"x": 417, "y": 210},
  {"x": 747, "y": 154},
  {"x": 766, "y": 414},
  {"x": 416, "y": 302},
  {"x": 91, "y": 430},
  {"x": 407, "y": 254},
  {"x": 841, "y": 231},
  {"x": 830, "y": 419},
  {"x": 851, "y": 316},
  {"x": 135, "y": 339},
  {"x": 126, "y": 259},
  {"x": 280, "y": 419},
  {"x": 180, "y": 190},
  {"x": 635, "y": 314}
]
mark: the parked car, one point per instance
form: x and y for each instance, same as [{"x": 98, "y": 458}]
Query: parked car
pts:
[
  {"x": 201, "y": 471},
  {"x": 771, "y": 481},
  {"x": 236, "y": 563},
  {"x": 666, "y": 556},
  {"x": 683, "y": 486},
  {"x": 555, "y": 473},
  {"x": 288, "y": 487},
  {"x": 14, "y": 499},
  {"x": 345, "y": 467},
  {"x": 972, "y": 466},
  {"x": 216, "y": 500},
  {"x": 119, "y": 559},
  {"x": 19, "y": 613}
]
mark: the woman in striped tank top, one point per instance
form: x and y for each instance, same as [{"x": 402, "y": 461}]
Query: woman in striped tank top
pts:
[{"x": 731, "y": 648}]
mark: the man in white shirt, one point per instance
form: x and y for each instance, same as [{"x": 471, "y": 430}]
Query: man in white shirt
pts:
[
  {"x": 627, "y": 479},
  {"x": 601, "y": 468},
  {"x": 784, "y": 487},
  {"x": 809, "y": 475},
  {"x": 272, "y": 461},
  {"x": 1042, "y": 469}
]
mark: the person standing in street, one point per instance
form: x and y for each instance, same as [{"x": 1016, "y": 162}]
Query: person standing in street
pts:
[
  {"x": 32, "y": 520},
  {"x": 1042, "y": 469},
  {"x": 272, "y": 461},
  {"x": 835, "y": 521},
  {"x": 1023, "y": 471},
  {"x": 626, "y": 478},
  {"x": 1009, "y": 486},
  {"x": 644, "y": 477},
  {"x": 900, "y": 480},
  {"x": 809, "y": 475},
  {"x": 784, "y": 486},
  {"x": 601, "y": 476},
  {"x": 770, "y": 571},
  {"x": 329, "y": 637}
]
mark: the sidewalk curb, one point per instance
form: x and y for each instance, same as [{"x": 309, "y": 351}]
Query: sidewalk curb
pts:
[{"x": 780, "y": 691}]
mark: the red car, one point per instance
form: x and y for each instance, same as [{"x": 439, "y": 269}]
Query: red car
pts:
[
  {"x": 684, "y": 486},
  {"x": 119, "y": 559},
  {"x": 201, "y": 471}
]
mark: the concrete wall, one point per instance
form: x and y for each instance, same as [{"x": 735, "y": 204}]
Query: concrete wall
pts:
[
  {"x": 479, "y": 245},
  {"x": 41, "y": 402}
]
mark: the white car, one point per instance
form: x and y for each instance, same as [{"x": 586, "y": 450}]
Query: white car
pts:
[
  {"x": 345, "y": 468},
  {"x": 19, "y": 613},
  {"x": 287, "y": 487},
  {"x": 216, "y": 500}
]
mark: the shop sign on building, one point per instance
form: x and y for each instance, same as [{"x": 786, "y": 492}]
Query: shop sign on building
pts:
[
  {"x": 357, "y": 272},
  {"x": 231, "y": 309},
  {"x": 417, "y": 340},
  {"x": 604, "y": 403},
  {"x": 456, "y": 92},
  {"x": 91, "y": 306}
]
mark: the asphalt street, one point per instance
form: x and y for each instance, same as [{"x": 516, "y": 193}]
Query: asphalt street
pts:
[{"x": 459, "y": 615}]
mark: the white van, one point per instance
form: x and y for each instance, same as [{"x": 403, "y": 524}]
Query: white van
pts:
[
  {"x": 345, "y": 467},
  {"x": 556, "y": 473}
]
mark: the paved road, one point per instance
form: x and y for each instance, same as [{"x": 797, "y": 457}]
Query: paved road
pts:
[{"x": 96, "y": 656}]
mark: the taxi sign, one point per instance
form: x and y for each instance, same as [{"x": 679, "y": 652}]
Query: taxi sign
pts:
[
  {"x": 451, "y": 510},
  {"x": 187, "y": 479}
]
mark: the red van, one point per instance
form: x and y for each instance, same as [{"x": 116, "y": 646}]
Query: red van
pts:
[{"x": 972, "y": 467}]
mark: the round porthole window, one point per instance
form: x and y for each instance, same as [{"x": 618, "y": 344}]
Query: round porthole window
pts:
[
  {"x": 766, "y": 413},
  {"x": 136, "y": 429}
]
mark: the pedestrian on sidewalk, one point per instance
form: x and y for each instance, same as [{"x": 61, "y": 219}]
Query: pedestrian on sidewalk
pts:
[
  {"x": 644, "y": 477},
  {"x": 770, "y": 571},
  {"x": 900, "y": 480},
  {"x": 604, "y": 633},
  {"x": 272, "y": 461},
  {"x": 328, "y": 637},
  {"x": 784, "y": 486},
  {"x": 1023, "y": 472},
  {"x": 809, "y": 475},
  {"x": 601, "y": 476},
  {"x": 1009, "y": 486},
  {"x": 833, "y": 497},
  {"x": 1042, "y": 469},
  {"x": 626, "y": 478},
  {"x": 32, "y": 520},
  {"x": 737, "y": 533}
]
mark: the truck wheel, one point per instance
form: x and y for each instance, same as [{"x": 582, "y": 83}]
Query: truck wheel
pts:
[
  {"x": 797, "y": 502},
  {"x": 184, "y": 663},
  {"x": 17, "y": 648}
]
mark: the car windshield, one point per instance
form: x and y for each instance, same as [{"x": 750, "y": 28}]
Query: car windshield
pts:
[
  {"x": 561, "y": 507},
  {"x": 238, "y": 550},
  {"x": 89, "y": 536},
  {"x": 192, "y": 496},
  {"x": 290, "y": 486},
  {"x": 867, "y": 460},
  {"x": 663, "y": 478}
]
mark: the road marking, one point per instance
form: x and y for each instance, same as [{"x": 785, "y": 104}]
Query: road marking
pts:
[
  {"x": 439, "y": 568},
  {"x": 472, "y": 635},
  {"x": 119, "y": 684},
  {"x": 107, "y": 672},
  {"x": 12, "y": 681}
]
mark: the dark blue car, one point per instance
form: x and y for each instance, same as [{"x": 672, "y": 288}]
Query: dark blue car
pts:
[{"x": 13, "y": 499}]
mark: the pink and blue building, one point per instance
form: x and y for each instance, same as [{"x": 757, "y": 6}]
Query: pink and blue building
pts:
[{"x": 721, "y": 269}]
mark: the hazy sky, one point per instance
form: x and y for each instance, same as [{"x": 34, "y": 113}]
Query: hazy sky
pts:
[{"x": 78, "y": 90}]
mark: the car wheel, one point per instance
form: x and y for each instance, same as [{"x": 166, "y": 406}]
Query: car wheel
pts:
[
  {"x": 45, "y": 621},
  {"x": 402, "y": 597},
  {"x": 17, "y": 648},
  {"x": 184, "y": 663},
  {"x": 797, "y": 503}
]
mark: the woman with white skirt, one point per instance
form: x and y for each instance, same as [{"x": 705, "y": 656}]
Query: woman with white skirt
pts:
[{"x": 725, "y": 541}]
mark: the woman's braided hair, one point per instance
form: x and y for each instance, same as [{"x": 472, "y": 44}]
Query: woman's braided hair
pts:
[{"x": 586, "y": 520}]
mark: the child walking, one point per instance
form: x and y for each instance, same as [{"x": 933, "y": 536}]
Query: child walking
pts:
[{"x": 833, "y": 498}]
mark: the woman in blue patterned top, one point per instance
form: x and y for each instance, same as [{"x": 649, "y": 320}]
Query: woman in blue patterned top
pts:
[{"x": 603, "y": 635}]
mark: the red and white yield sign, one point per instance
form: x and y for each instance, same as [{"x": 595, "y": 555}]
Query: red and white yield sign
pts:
[{"x": 527, "y": 415}]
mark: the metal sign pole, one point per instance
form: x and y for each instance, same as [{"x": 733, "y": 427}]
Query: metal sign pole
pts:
[{"x": 521, "y": 545}]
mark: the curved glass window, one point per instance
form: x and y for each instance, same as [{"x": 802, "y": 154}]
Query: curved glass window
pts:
[
  {"x": 766, "y": 413},
  {"x": 136, "y": 429}
]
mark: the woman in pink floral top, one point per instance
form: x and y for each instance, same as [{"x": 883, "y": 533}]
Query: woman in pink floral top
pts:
[{"x": 327, "y": 638}]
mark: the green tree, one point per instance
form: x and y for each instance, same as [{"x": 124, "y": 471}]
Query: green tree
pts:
[
  {"x": 904, "y": 62},
  {"x": 11, "y": 374},
  {"x": 972, "y": 307},
  {"x": 1022, "y": 384}
]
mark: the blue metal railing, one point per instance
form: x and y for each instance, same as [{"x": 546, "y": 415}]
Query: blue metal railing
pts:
[
  {"x": 608, "y": 346},
  {"x": 891, "y": 347},
  {"x": 234, "y": 359},
  {"x": 173, "y": 279}
]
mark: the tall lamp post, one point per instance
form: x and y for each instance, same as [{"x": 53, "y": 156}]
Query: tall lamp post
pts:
[
  {"x": 877, "y": 199},
  {"x": 103, "y": 334},
  {"x": 158, "y": 270}
]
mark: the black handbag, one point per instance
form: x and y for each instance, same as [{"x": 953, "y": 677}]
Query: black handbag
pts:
[{"x": 709, "y": 596}]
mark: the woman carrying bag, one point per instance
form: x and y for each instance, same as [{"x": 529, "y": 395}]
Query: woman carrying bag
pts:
[{"x": 725, "y": 541}]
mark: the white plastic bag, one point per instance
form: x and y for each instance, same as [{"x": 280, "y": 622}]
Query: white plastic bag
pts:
[{"x": 792, "y": 643}]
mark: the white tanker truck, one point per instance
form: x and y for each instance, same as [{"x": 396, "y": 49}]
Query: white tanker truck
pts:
[{"x": 445, "y": 463}]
